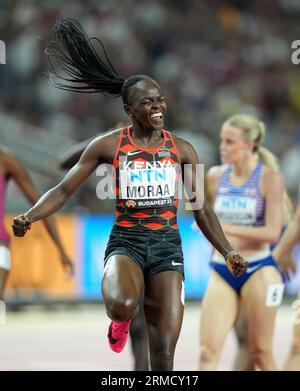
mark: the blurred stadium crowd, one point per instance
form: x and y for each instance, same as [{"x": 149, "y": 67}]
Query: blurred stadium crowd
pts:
[{"x": 213, "y": 58}]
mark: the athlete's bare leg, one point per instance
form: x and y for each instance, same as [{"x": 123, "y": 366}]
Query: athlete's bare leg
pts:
[
  {"x": 243, "y": 360},
  {"x": 164, "y": 312},
  {"x": 122, "y": 287},
  {"x": 139, "y": 340},
  {"x": 293, "y": 361},
  {"x": 260, "y": 318},
  {"x": 218, "y": 313},
  {"x": 3, "y": 279}
]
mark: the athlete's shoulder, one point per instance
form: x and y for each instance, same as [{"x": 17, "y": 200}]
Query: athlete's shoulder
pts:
[
  {"x": 180, "y": 140},
  {"x": 108, "y": 140},
  {"x": 5, "y": 152},
  {"x": 213, "y": 177},
  {"x": 7, "y": 156},
  {"x": 185, "y": 149},
  {"x": 268, "y": 174},
  {"x": 271, "y": 179},
  {"x": 214, "y": 173},
  {"x": 10, "y": 163},
  {"x": 109, "y": 136},
  {"x": 268, "y": 171},
  {"x": 103, "y": 147}
]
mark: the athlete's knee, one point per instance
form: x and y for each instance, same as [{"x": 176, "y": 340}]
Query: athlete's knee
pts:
[
  {"x": 208, "y": 353},
  {"x": 121, "y": 309}
]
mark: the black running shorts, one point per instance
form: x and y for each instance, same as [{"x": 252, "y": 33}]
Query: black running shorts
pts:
[{"x": 154, "y": 251}]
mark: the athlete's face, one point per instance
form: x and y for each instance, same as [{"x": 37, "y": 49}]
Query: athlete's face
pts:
[
  {"x": 147, "y": 106},
  {"x": 233, "y": 146}
]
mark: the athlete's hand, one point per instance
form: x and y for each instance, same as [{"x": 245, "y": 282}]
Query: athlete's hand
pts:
[
  {"x": 67, "y": 265},
  {"x": 285, "y": 262},
  {"x": 236, "y": 264},
  {"x": 20, "y": 225}
]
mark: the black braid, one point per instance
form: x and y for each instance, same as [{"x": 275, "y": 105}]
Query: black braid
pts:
[{"x": 86, "y": 71}]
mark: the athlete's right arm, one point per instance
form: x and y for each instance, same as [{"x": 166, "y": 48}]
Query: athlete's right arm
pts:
[
  {"x": 282, "y": 252},
  {"x": 72, "y": 156},
  {"x": 95, "y": 154}
]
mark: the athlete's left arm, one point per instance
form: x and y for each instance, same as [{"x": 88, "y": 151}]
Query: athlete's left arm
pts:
[
  {"x": 273, "y": 187},
  {"x": 18, "y": 172},
  {"x": 205, "y": 217}
]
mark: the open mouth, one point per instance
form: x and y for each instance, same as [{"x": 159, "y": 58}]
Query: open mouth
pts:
[{"x": 157, "y": 118}]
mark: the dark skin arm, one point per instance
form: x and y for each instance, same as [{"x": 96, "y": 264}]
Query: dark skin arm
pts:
[
  {"x": 70, "y": 158},
  {"x": 205, "y": 217},
  {"x": 15, "y": 170},
  {"x": 101, "y": 150}
]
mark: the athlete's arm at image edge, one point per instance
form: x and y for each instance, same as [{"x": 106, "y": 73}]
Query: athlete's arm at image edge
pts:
[{"x": 291, "y": 236}]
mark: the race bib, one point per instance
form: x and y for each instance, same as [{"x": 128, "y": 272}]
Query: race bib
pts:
[
  {"x": 236, "y": 210},
  {"x": 150, "y": 185},
  {"x": 274, "y": 295}
]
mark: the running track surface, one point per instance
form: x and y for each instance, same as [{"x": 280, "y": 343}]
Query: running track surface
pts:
[{"x": 75, "y": 339}]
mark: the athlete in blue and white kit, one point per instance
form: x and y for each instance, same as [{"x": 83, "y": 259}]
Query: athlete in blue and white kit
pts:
[{"x": 248, "y": 195}]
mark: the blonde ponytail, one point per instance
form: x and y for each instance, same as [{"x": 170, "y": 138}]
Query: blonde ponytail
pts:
[
  {"x": 268, "y": 158},
  {"x": 254, "y": 130}
]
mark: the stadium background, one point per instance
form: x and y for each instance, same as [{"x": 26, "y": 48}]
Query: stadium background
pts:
[{"x": 212, "y": 58}]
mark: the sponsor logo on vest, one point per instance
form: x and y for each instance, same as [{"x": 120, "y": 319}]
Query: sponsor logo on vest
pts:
[
  {"x": 130, "y": 153},
  {"x": 164, "y": 152},
  {"x": 130, "y": 203}
]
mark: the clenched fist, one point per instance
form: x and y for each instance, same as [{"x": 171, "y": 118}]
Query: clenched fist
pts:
[
  {"x": 21, "y": 225},
  {"x": 236, "y": 264}
]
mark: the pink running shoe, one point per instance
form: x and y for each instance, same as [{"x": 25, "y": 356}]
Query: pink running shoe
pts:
[{"x": 118, "y": 335}]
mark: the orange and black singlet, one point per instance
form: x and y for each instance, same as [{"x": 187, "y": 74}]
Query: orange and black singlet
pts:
[{"x": 146, "y": 183}]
